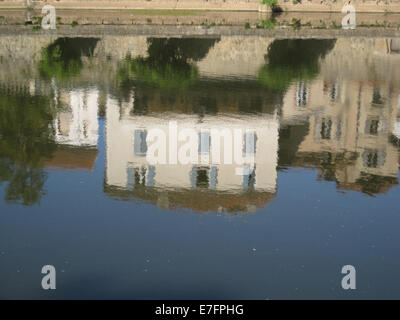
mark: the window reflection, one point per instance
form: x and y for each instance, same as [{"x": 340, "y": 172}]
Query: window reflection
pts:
[
  {"x": 137, "y": 176},
  {"x": 372, "y": 126},
  {"x": 377, "y": 97},
  {"x": 373, "y": 158},
  {"x": 334, "y": 91},
  {"x": 204, "y": 142},
  {"x": 326, "y": 128},
  {"x": 140, "y": 143},
  {"x": 249, "y": 144},
  {"x": 302, "y": 94},
  {"x": 249, "y": 179},
  {"x": 203, "y": 177}
]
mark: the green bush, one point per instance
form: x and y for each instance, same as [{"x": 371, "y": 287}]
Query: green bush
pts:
[
  {"x": 270, "y": 3},
  {"x": 267, "y": 24}
]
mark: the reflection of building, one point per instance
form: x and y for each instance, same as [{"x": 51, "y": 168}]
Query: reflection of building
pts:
[
  {"x": 76, "y": 130},
  {"x": 203, "y": 184},
  {"x": 350, "y": 114},
  {"x": 345, "y": 122},
  {"x": 68, "y": 157},
  {"x": 77, "y": 124},
  {"x": 349, "y": 126}
]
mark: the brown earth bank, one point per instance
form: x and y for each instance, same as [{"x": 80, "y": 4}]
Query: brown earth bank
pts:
[{"x": 227, "y": 5}]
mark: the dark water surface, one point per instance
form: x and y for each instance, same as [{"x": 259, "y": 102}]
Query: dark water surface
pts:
[{"x": 77, "y": 190}]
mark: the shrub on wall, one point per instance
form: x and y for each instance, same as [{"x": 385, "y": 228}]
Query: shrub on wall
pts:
[{"x": 270, "y": 3}]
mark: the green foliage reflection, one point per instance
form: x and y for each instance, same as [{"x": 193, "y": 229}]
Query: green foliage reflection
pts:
[
  {"x": 25, "y": 140},
  {"x": 292, "y": 60},
  {"x": 62, "y": 58},
  {"x": 168, "y": 65}
]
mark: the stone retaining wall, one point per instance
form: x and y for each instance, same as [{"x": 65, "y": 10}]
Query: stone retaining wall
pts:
[{"x": 229, "y": 5}]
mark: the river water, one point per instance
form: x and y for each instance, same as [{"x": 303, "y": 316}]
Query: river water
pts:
[{"x": 80, "y": 190}]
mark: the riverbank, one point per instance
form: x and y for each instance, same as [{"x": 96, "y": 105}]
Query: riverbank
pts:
[
  {"x": 383, "y": 6},
  {"x": 198, "y": 31},
  {"x": 204, "y": 19}
]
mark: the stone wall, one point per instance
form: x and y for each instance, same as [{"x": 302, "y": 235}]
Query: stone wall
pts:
[
  {"x": 229, "y": 5},
  {"x": 205, "y": 18}
]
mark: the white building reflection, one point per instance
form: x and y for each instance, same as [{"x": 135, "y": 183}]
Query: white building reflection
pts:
[
  {"x": 76, "y": 129},
  {"x": 127, "y": 145},
  {"x": 350, "y": 125},
  {"x": 77, "y": 124}
]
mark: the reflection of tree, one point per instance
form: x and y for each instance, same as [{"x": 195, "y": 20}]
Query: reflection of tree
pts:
[
  {"x": 290, "y": 138},
  {"x": 25, "y": 138},
  {"x": 168, "y": 65},
  {"x": 62, "y": 58},
  {"x": 25, "y": 183},
  {"x": 291, "y": 60}
]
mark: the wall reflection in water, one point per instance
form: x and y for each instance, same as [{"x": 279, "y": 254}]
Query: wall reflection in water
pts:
[{"x": 331, "y": 105}]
